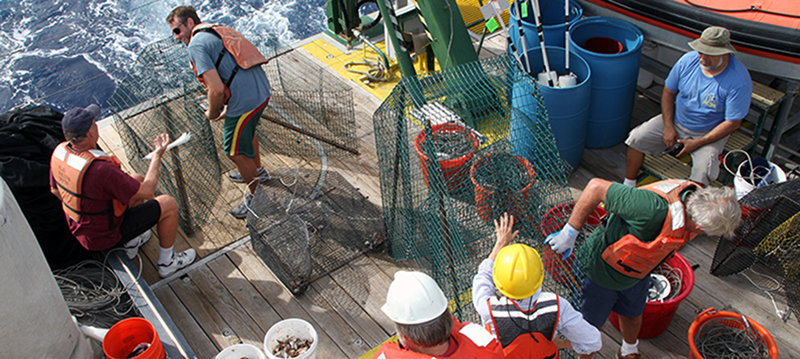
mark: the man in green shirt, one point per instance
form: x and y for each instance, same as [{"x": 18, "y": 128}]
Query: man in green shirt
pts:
[{"x": 641, "y": 213}]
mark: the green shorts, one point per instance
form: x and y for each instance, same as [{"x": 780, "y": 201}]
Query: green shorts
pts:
[{"x": 238, "y": 132}]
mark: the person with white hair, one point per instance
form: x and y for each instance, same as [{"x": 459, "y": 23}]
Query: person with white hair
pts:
[
  {"x": 705, "y": 98},
  {"x": 425, "y": 327},
  {"x": 644, "y": 227}
]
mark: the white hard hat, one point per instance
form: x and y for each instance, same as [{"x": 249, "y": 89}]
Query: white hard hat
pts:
[{"x": 414, "y": 298}]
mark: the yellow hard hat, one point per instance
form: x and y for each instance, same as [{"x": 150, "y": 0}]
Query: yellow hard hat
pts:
[{"x": 518, "y": 271}]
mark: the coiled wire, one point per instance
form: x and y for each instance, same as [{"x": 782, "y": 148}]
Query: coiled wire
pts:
[
  {"x": 94, "y": 294},
  {"x": 730, "y": 338}
]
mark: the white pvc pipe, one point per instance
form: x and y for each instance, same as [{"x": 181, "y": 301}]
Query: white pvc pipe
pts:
[
  {"x": 522, "y": 37},
  {"x": 538, "y": 18}
]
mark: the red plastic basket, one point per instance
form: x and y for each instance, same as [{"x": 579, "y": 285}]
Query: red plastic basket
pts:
[
  {"x": 562, "y": 270},
  {"x": 454, "y": 170},
  {"x": 658, "y": 315}
]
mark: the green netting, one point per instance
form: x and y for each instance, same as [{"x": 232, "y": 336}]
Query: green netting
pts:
[
  {"x": 486, "y": 126},
  {"x": 160, "y": 94}
]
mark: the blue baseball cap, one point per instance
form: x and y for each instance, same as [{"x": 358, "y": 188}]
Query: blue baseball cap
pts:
[{"x": 77, "y": 121}]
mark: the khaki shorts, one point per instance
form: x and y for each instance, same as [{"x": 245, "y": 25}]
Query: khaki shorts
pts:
[{"x": 648, "y": 138}]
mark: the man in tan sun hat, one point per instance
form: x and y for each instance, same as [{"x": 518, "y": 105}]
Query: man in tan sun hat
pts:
[{"x": 705, "y": 98}]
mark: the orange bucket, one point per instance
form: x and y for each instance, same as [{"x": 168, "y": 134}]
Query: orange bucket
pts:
[
  {"x": 490, "y": 203},
  {"x": 730, "y": 319},
  {"x": 124, "y": 337},
  {"x": 454, "y": 170}
]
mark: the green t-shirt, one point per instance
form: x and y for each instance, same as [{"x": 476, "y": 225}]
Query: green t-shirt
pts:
[{"x": 635, "y": 211}]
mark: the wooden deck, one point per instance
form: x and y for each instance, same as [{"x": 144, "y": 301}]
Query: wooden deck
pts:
[{"x": 231, "y": 296}]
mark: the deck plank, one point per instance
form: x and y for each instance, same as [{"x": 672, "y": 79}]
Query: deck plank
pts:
[
  {"x": 287, "y": 306},
  {"x": 201, "y": 344},
  {"x": 226, "y": 305},
  {"x": 206, "y": 315}
]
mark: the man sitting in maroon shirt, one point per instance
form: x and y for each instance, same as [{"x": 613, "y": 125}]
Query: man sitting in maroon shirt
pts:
[{"x": 106, "y": 207}]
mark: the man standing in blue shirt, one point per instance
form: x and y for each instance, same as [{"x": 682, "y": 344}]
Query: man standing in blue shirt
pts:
[
  {"x": 706, "y": 96},
  {"x": 237, "y": 94}
]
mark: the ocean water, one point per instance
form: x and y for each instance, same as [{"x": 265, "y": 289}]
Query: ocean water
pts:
[{"x": 67, "y": 53}]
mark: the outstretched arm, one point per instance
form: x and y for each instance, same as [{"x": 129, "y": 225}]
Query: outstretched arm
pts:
[
  {"x": 148, "y": 188},
  {"x": 593, "y": 194}
]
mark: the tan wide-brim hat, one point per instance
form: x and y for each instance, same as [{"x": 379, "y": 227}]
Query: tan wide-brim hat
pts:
[{"x": 714, "y": 41}]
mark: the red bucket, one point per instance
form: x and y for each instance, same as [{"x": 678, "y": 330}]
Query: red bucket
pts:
[
  {"x": 561, "y": 270},
  {"x": 124, "y": 337},
  {"x": 486, "y": 199},
  {"x": 658, "y": 315},
  {"x": 453, "y": 170},
  {"x": 603, "y": 45},
  {"x": 730, "y": 319}
]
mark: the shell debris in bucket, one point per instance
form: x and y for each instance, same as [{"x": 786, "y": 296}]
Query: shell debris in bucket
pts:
[
  {"x": 130, "y": 336},
  {"x": 241, "y": 351},
  {"x": 291, "y": 329}
]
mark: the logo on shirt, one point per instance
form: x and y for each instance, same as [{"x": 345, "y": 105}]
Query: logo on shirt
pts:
[{"x": 710, "y": 100}]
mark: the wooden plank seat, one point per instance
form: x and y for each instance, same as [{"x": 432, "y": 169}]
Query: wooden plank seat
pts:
[{"x": 763, "y": 100}]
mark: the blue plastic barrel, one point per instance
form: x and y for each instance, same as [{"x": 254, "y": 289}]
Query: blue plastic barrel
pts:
[
  {"x": 567, "y": 108},
  {"x": 612, "y": 47},
  {"x": 552, "y": 20}
]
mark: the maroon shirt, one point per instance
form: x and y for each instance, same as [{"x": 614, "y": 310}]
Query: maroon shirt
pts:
[{"x": 102, "y": 182}]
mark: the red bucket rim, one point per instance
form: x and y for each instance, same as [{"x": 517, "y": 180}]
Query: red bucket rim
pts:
[
  {"x": 443, "y": 127},
  {"x": 527, "y": 164}
]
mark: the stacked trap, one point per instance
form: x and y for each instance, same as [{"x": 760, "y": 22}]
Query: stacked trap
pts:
[{"x": 456, "y": 150}]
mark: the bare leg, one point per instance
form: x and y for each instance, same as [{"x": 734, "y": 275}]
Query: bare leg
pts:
[
  {"x": 629, "y": 326},
  {"x": 633, "y": 163},
  {"x": 257, "y": 158},
  {"x": 247, "y": 167},
  {"x": 168, "y": 222}
]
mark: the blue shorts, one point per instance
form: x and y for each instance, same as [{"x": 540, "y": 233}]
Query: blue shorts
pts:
[{"x": 598, "y": 302}]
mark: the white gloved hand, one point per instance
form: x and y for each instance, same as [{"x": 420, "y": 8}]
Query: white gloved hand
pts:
[{"x": 563, "y": 241}]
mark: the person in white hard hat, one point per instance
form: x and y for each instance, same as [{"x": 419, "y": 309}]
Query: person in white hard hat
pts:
[{"x": 425, "y": 328}]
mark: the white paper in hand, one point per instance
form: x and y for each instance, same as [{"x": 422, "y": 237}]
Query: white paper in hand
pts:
[{"x": 185, "y": 137}]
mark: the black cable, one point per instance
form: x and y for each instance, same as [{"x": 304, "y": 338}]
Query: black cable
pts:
[{"x": 751, "y": 8}]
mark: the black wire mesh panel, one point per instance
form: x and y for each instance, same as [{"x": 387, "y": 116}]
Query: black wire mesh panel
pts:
[
  {"x": 763, "y": 210},
  {"x": 304, "y": 229},
  {"x": 441, "y": 190}
]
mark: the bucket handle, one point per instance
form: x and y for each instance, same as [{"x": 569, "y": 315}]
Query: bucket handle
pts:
[{"x": 752, "y": 175}]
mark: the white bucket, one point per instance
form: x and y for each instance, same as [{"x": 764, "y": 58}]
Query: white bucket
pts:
[
  {"x": 239, "y": 351},
  {"x": 743, "y": 186},
  {"x": 292, "y": 327}
]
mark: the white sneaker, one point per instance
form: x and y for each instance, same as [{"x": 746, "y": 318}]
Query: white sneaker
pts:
[
  {"x": 132, "y": 246},
  {"x": 179, "y": 260}
]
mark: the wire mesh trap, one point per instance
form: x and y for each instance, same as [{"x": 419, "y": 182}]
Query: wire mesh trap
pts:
[
  {"x": 160, "y": 94},
  {"x": 304, "y": 229},
  {"x": 724, "y": 334},
  {"x": 94, "y": 294},
  {"x": 457, "y": 149},
  {"x": 769, "y": 236}
]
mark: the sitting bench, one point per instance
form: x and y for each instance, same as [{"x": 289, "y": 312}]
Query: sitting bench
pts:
[{"x": 763, "y": 100}]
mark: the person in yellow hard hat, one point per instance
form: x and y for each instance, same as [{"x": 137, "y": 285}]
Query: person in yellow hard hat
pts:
[
  {"x": 425, "y": 328},
  {"x": 523, "y": 317}
]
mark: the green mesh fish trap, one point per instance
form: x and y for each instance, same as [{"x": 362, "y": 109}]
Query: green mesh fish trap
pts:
[
  {"x": 457, "y": 149},
  {"x": 310, "y": 113}
]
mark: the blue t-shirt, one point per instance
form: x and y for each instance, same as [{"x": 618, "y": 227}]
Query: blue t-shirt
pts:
[
  {"x": 704, "y": 102},
  {"x": 250, "y": 87}
]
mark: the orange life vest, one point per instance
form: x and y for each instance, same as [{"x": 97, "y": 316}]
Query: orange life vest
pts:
[
  {"x": 473, "y": 342},
  {"x": 526, "y": 334},
  {"x": 244, "y": 52},
  {"x": 637, "y": 259},
  {"x": 69, "y": 167}
]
